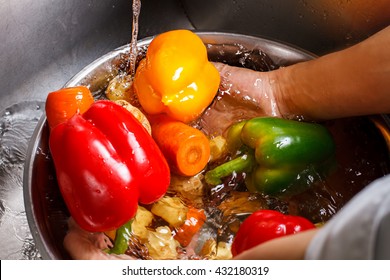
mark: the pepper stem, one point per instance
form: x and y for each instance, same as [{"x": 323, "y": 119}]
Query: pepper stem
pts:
[
  {"x": 244, "y": 163},
  {"x": 122, "y": 238}
]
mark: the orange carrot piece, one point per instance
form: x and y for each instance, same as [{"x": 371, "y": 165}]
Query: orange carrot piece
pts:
[
  {"x": 62, "y": 104},
  {"x": 193, "y": 223},
  {"x": 186, "y": 148}
]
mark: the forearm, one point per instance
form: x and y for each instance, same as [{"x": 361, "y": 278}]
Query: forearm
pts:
[
  {"x": 351, "y": 82},
  {"x": 283, "y": 248}
]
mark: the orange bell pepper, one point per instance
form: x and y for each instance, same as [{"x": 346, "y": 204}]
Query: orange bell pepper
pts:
[{"x": 176, "y": 77}]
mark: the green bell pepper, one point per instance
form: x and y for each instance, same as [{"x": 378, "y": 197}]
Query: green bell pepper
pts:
[
  {"x": 122, "y": 237},
  {"x": 279, "y": 156}
]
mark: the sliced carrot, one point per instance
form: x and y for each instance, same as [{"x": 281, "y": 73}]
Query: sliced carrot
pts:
[
  {"x": 62, "y": 104},
  {"x": 193, "y": 223},
  {"x": 186, "y": 148}
]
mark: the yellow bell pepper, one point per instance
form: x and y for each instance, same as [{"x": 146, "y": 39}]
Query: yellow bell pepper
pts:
[{"x": 176, "y": 77}]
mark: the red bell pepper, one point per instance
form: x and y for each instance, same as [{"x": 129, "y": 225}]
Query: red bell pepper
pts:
[
  {"x": 264, "y": 225},
  {"x": 106, "y": 162}
]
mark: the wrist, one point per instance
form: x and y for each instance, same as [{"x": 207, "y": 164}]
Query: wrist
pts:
[{"x": 282, "y": 89}]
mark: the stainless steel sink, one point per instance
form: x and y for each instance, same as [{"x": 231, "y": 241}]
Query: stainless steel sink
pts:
[
  {"x": 44, "y": 43},
  {"x": 317, "y": 26}
]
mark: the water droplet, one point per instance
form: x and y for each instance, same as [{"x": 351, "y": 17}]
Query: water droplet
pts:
[{"x": 17, "y": 124}]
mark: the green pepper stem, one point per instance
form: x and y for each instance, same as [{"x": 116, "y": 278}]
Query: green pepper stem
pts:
[
  {"x": 122, "y": 239},
  {"x": 243, "y": 163}
]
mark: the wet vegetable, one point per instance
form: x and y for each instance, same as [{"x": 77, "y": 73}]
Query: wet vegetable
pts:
[
  {"x": 186, "y": 148},
  {"x": 280, "y": 156},
  {"x": 171, "y": 209},
  {"x": 62, "y": 104},
  {"x": 191, "y": 226},
  {"x": 106, "y": 162},
  {"x": 141, "y": 222},
  {"x": 176, "y": 77},
  {"x": 217, "y": 148},
  {"x": 120, "y": 88},
  {"x": 216, "y": 251},
  {"x": 136, "y": 113},
  {"x": 264, "y": 225},
  {"x": 161, "y": 244},
  {"x": 122, "y": 238}
]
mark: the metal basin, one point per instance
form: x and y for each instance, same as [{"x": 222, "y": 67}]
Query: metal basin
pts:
[
  {"x": 43, "y": 44},
  {"x": 46, "y": 211}
]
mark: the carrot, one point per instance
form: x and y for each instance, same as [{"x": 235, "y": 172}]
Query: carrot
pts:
[
  {"x": 186, "y": 148},
  {"x": 193, "y": 223},
  {"x": 62, "y": 104}
]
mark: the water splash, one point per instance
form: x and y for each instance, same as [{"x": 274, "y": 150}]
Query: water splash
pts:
[
  {"x": 134, "y": 34},
  {"x": 17, "y": 124}
]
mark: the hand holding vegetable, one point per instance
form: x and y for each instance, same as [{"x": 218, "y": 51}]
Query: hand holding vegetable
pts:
[
  {"x": 106, "y": 162},
  {"x": 176, "y": 77},
  {"x": 276, "y": 153},
  {"x": 330, "y": 87},
  {"x": 264, "y": 225}
]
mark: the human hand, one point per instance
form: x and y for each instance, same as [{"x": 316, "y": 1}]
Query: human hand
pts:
[
  {"x": 350, "y": 82},
  {"x": 250, "y": 86}
]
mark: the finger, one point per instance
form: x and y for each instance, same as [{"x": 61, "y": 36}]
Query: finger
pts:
[
  {"x": 248, "y": 85},
  {"x": 237, "y": 79}
]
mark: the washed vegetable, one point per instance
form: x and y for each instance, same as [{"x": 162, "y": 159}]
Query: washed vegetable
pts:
[
  {"x": 186, "y": 148},
  {"x": 279, "y": 156},
  {"x": 141, "y": 222},
  {"x": 62, "y": 104},
  {"x": 191, "y": 226},
  {"x": 161, "y": 244},
  {"x": 176, "y": 77},
  {"x": 106, "y": 162},
  {"x": 217, "y": 148},
  {"x": 85, "y": 245},
  {"x": 264, "y": 225},
  {"x": 136, "y": 113},
  {"x": 122, "y": 238},
  {"x": 185, "y": 220},
  {"x": 189, "y": 188},
  {"x": 120, "y": 88},
  {"x": 216, "y": 251},
  {"x": 171, "y": 209}
]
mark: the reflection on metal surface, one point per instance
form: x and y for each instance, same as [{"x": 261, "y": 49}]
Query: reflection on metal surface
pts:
[
  {"x": 318, "y": 26},
  {"x": 383, "y": 124},
  {"x": 17, "y": 124}
]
